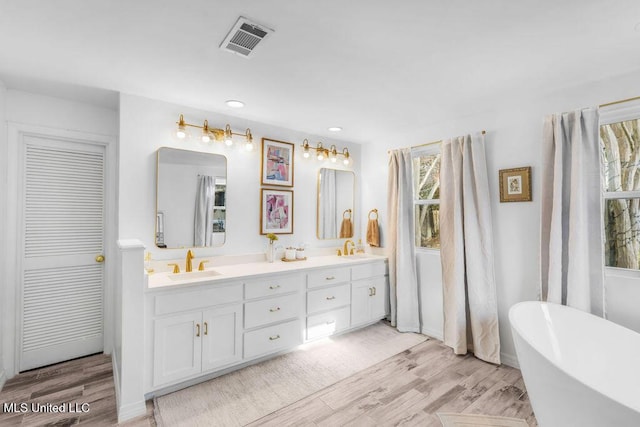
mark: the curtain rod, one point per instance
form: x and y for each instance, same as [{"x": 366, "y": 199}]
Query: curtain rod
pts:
[
  {"x": 622, "y": 101},
  {"x": 431, "y": 143}
]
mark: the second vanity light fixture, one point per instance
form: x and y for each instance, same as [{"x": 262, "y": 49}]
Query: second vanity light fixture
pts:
[
  {"x": 322, "y": 153},
  {"x": 208, "y": 133}
]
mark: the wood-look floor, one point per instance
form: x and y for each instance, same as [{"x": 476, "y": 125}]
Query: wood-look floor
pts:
[
  {"x": 86, "y": 380},
  {"x": 407, "y": 389}
]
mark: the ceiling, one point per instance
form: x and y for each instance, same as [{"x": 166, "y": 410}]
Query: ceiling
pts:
[{"x": 380, "y": 69}]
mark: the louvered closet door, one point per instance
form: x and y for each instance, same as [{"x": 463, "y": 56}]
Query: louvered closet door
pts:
[{"x": 63, "y": 225}]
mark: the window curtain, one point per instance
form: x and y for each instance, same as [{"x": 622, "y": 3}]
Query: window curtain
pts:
[
  {"x": 203, "y": 221},
  {"x": 328, "y": 226},
  {"x": 571, "y": 252},
  {"x": 404, "y": 293},
  {"x": 466, "y": 250}
]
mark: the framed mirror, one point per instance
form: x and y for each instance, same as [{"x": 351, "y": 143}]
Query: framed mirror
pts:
[
  {"x": 335, "y": 212},
  {"x": 190, "y": 199}
]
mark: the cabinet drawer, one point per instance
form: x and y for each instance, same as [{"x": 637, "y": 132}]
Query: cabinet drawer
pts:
[
  {"x": 325, "y": 324},
  {"x": 184, "y": 301},
  {"x": 328, "y": 276},
  {"x": 257, "y": 313},
  {"x": 277, "y": 285},
  {"x": 272, "y": 338},
  {"x": 368, "y": 270},
  {"x": 328, "y": 298}
]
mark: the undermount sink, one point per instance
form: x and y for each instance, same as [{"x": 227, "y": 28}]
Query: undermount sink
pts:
[{"x": 193, "y": 275}]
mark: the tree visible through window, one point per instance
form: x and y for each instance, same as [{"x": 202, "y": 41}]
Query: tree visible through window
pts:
[
  {"x": 619, "y": 142},
  {"x": 426, "y": 190}
]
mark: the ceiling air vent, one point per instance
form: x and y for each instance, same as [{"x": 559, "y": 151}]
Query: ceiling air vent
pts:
[{"x": 244, "y": 37}]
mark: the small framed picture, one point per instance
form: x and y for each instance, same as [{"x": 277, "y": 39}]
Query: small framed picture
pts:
[
  {"x": 277, "y": 163},
  {"x": 276, "y": 211},
  {"x": 515, "y": 184}
]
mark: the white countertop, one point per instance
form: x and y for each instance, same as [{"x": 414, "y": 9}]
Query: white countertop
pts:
[{"x": 254, "y": 269}]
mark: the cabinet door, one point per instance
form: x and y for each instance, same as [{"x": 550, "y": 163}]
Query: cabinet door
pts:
[
  {"x": 378, "y": 302},
  {"x": 177, "y": 350},
  {"x": 221, "y": 336},
  {"x": 361, "y": 293}
]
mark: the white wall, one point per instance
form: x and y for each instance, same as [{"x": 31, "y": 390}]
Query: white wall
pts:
[
  {"x": 146, "y": 125},
  {"x": 513, "y": 138},
  {"x": 3, "y": 222},
  {"x": 23, "y": 108}
]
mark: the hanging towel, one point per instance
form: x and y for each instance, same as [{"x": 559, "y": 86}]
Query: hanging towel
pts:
[
  {"x": 346, "y": 229},
  {"x": 373, "y": 233}
]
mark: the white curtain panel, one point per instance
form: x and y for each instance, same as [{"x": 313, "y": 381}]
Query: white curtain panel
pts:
[
  {"x": 403, "y": 281},
  {"x": 466, "y": 250},
  {"x": 328, "y": 225},
  {"x": 571, "y": 252},
  {"x": 203, "y": 221}
]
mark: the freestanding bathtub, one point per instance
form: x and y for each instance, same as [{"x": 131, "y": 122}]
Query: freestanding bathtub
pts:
[{"x": 579, "y": 369}]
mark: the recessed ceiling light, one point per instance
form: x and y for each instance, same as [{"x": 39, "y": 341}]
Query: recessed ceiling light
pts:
[
  {"x": 234, "y": 104},
  {"x": 335, "y": 129}
]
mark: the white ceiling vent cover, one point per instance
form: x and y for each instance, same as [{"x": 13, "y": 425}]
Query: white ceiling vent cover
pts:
[{"x": 244, "y": 37}]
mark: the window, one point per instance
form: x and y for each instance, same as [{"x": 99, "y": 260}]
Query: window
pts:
[
  {"x": 426, "y": 197},
  {"x": 621, "y": 155}
]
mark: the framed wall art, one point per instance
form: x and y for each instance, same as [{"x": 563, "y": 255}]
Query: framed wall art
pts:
[
  {"x": 515, "y": 184},
  {"x": 276, "y": 211},
  {"x": 277, "y": 163}
]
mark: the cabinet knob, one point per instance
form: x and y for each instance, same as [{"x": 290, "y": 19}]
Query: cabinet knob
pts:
[
  {"x": 99, "y": 258},
  {"x": 273, "y": 310},
  {"x": 275, "y": 337}
]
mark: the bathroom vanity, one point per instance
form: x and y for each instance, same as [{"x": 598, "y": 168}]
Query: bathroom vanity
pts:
[{"x": 202, "y": 324}]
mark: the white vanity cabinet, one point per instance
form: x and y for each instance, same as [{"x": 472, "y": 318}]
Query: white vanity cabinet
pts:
[
  {"x": 196, "y": 332},
  {"x": 202, "y": 329},
  {"x": 369, "y": 293},
  {"x": 272, "y": 311},
  {"x": 328, "y": 300}
]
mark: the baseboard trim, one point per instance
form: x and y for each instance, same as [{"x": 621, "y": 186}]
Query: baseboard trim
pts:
[
  {"x": 116, "y": 377},
  {"x": 3, "y": 379},
  {"x": 131, "y": 410},
  {"x": 433, "y": 334},
  {"x": 509, "y": 360}
]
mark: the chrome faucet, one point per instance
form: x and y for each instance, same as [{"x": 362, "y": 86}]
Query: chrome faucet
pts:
[
  {"x": 346, "y": 247},
  {"x": 188, "y": 265}
]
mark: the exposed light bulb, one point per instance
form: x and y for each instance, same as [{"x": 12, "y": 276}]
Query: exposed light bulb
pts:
[
  {"x": 320, "y": 155},
  {"x": 346, "y": 161},
  {"x": 205, "y": 132},
  {"x": 249, "y": 144},
  {"x": 182, "y": 128},
  {"x": 228, "y": 136},
  {"x": 333, "y": 154}
]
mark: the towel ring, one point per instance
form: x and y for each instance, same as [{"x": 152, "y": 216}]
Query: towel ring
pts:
[
  {"x": 374, "y": 211},
  {"x": 344, "y": 214}
]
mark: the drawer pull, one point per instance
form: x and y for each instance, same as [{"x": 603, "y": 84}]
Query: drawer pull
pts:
[
  {"x": 370, "y": 292},
  {"x": 273, "y": 310},
  {"x": 331, "y": 322},
  {"x": 206, "y": 328},
  {"x": 330, "y": 278},
  {"x": 272, "y": 287},
  {"x": 330, "y": 298},
  {"x": 374, "y": 290},
  {"x": 277, "y": 337},
  {"x": 197, "y": 329}
]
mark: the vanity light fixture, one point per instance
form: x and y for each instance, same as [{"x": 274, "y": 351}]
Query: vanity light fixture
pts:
[
  {"x": 182, "y": 128},
  {"x": 209, "y": 133},
  {"x": 322, "y": 153},
  {"x": 205, "y": 132}
]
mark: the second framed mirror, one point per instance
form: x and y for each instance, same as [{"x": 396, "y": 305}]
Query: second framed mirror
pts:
[{"x": 335, "y": 211}]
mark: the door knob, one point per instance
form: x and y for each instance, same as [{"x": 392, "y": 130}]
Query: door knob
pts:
[{"x": 99, "y": 258}]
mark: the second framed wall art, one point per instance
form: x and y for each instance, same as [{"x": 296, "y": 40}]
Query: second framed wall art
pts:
[{"x": 276, "y": 211}]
